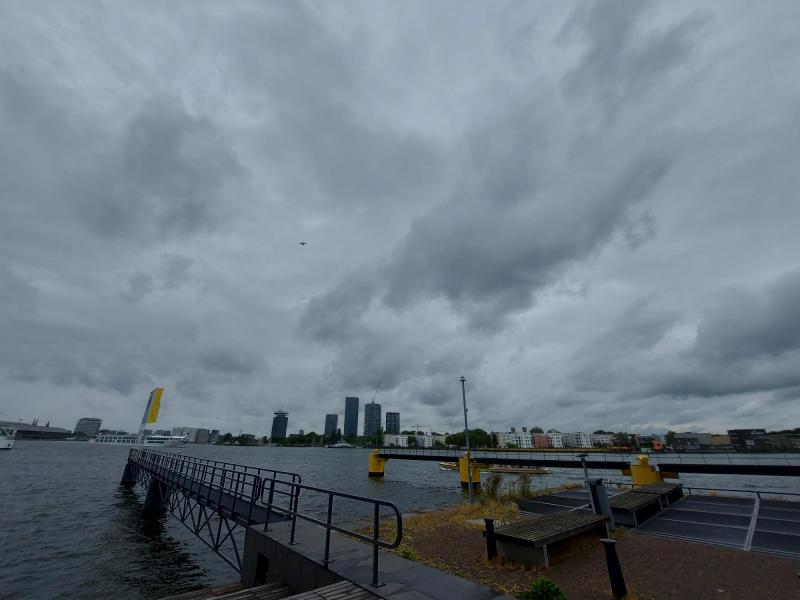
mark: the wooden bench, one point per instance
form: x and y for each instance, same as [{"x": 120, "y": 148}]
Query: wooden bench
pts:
[
  {"x": 632, "y": 508},
  {"x": 668, "y": 493},
  {"x": 527, "y": 540}
]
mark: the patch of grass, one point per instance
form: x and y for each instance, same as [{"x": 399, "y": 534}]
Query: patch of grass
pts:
[
  {"x": 543, "y": 589},
  {"x": 409, "y": 553}
]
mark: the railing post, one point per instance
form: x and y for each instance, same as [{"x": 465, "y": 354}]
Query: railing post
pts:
[
  {"x": 614, "y": 570},
  {"x": 376, "y": 524},
  {"x": 294, "y": 515},
  {"x": 326, "y": 560},
  {"x": 491, "y": 541},
  {"x": 269, "y": 502}
]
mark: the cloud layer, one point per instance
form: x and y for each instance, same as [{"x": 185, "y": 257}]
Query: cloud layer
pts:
[{"x": 587, "y": 210}]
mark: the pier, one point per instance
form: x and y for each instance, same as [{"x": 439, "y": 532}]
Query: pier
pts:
[{"x": 252, "y": 518}]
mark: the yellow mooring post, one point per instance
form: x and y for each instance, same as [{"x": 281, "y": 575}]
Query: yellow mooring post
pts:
[
  {"x": 462, "y": 470},
  {"x": 376, "y": 464},
  {"x": 642, "y": 472}
]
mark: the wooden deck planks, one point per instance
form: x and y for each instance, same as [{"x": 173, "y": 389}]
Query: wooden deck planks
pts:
[
  {"x": 344, "y": 590},
  {"x": 632, "y": 500},
  {"x": 550, "y": 528}
]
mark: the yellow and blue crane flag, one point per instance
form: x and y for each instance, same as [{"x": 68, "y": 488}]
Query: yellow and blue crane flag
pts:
[{"x": 153, "y": 404}]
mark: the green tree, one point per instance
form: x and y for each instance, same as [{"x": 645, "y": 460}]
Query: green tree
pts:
[
  {"x": 478, "y": 438},
  {"x": 669, "y": 438},
  {"x": 537, "y": 430}
]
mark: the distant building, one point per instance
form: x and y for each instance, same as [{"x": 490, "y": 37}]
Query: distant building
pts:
[
  {"x": 576, "y": 440},
  {"x": 429, "y": 440},
  {"x": 301, "y": 432},
  {"x": 390, "y": 439},
  {"x": 520, "y": 439},
  {"x": 331, "y": 423},
  {"x": 213, "y": 436},
  {"x": 784, "y": 441},
  {"x": 190, "y": 433},
  {"x": 749, "y": 440},
  {"x": 392, "y": 422},
  {"x": 601, "y": 440},
  {"x": 372, "y": 419},
  {"x": 280, "y": 422},
  {"x": 202, "y": 436},
  {"x": 88, "y": 426},
  {"x": 540, "y": 440},
  {"x": 36, "y": 432},
  {"x": 692, "y": 440},
  {"x": 351, "y": 416}
]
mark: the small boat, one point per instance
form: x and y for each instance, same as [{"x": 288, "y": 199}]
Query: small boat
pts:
[
  {"x": 340, "y": 445},
  {"x": 448, "y": 466},
  {"x": 170, "y": 441},
  {"x": 7, "y": 437},
  {"x": 518, "y": 470}
]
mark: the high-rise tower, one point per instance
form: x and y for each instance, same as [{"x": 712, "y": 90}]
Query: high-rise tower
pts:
[{"x": 351, "y": 416}]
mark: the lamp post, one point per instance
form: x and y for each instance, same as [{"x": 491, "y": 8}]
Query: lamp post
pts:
[{"x": 466, "y": 437}]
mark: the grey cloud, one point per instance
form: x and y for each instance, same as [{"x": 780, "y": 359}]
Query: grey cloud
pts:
[
  {"x": 166, "y": 178},
  {"x": 231, "y": 360},
  {"x": 746, "y": 325},
  {"x": 623, "y": 58}
]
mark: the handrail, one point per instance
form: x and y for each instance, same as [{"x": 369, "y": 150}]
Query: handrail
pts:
[
  {"x": 263, "y": 488},
  {"x": 708, "y": 489}
]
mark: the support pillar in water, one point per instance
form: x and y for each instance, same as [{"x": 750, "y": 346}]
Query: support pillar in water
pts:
[
  {"x": 376, "y": 464},
  {"x": 128, "y": 476},
  {"x": 157, "y": 496}
]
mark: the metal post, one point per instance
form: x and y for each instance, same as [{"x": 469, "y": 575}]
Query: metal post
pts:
[
  {"x": 614, "y": 569},
  {"x": 294, "y": 515},
  {"x": 466, "y": 438},
  {"x": 491, "y": 541},
  {"x": 326, "y": 560},
  {"x": 375, "y": 536}
]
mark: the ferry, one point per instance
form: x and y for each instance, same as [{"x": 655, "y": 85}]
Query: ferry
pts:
[
  {"x": 7, "y": 436},
  {"x": 142, "y": 438},
  {"x": 340, "y": 445},
  {"x": 451, "y": 466}
]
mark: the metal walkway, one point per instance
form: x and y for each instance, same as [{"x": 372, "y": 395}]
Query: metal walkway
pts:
[
  {"x": 217, "y": 501},
  {"x": 729, "y": 463},
  {"x": 751, "y": 524}
]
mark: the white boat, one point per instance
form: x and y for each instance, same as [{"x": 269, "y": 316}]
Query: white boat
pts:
[
  {"x": 7, "y": 436},
  {"x": 143, "y": 438},
  {"x": 170, "y": 441},
  {"x": 340, "y": 445}
]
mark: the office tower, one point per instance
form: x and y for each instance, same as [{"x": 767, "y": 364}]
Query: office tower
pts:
[
  {"x": 351, "y": 416},
  {"x": 372, "y": 419},
  {"x": 88, "y": 426},
  {"x": 331, "y": 423},
  {"x": 392, "y": 422},
  {"x": 280, "y": 422}
]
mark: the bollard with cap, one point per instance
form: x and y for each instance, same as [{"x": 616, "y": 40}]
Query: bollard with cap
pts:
[
  {"x": 491, "y": 541},
  {"x": 614, "y": 568}
]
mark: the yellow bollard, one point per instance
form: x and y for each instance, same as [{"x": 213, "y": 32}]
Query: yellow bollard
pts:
[
  {"x": 644, "y": 473},
  {"x": 376, "y": 464},
  {"x": 462, "y": 470}
]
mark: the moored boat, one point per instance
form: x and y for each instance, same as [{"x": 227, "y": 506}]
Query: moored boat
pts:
[{"x": 7, "y": 437}]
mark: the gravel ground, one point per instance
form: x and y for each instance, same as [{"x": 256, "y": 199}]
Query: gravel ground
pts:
[{"x": 654, "y": 568}]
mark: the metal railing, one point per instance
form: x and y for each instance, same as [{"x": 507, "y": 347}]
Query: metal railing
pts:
[
  {"x": 689, "y": 488},
  {"x": 788, "y": 463},
  {"x": 252, "y": 495}
]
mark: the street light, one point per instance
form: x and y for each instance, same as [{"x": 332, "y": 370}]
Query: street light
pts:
[{"x": 466, "y": 437}]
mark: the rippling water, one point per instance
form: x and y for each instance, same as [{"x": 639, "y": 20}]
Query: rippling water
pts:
[{"x": 68, "y": 530}]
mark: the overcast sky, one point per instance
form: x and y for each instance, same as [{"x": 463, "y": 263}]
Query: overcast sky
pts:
[{"x": 589, "y": 210}]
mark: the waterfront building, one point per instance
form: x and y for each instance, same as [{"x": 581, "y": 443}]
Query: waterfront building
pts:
[
  {"x": 88, "y": 427},
  {"x": 556, "y": 439},
  {"x": 391, "y": 439},
  {"x": 280, "y": 422},
  {"x": 577, "y": 439},
  {"x": 301, "y": 432},
  {"x": 193, "y": 435},
  {"x": 602, "y": 440},
  {"x": 428, "y": 440},
  {"x": 392, "y": 422},
  {"x": 351, "y": 416},
  {"x": 520, "y": 439},
  {"x": 540, "y": 440},
  {"x": 36, "y": 432},
  {"x": 749, "y": 440},
  {"x": 692, "y": 440},
  {"x": 213, "y": 436},
  {"x": 331, "y": 423},
  {"x": 372, "y": 419}
]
